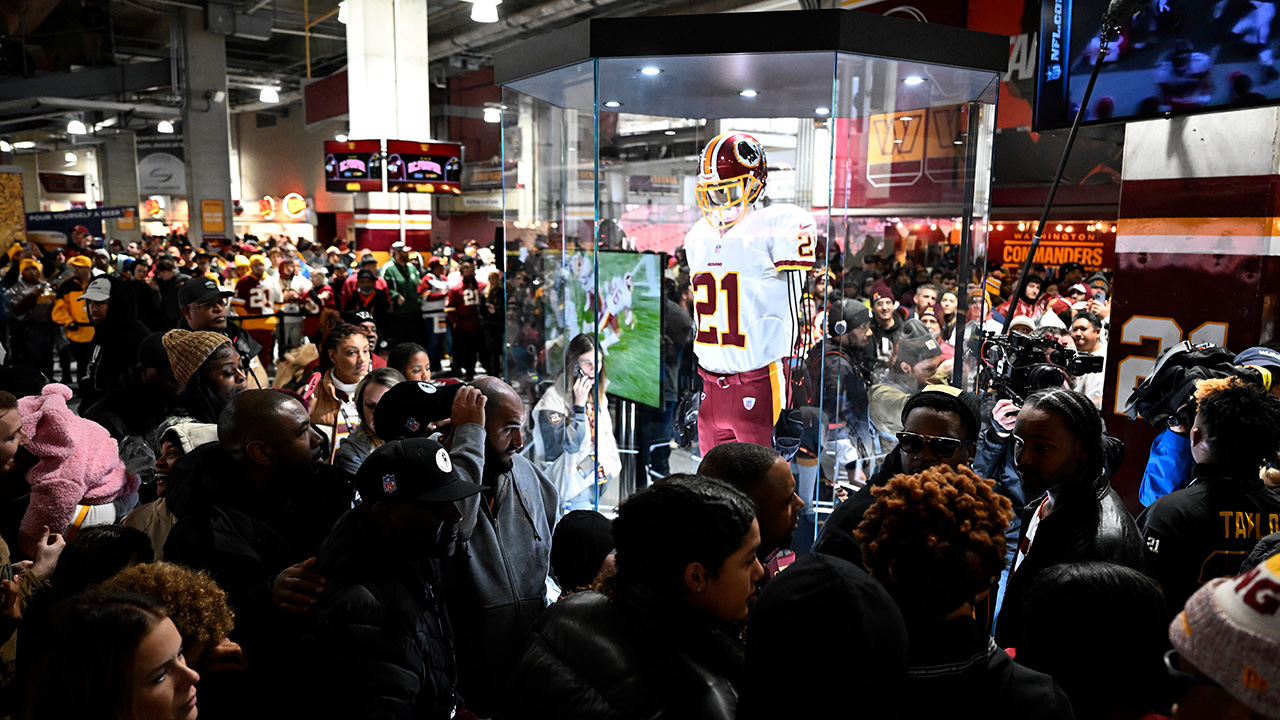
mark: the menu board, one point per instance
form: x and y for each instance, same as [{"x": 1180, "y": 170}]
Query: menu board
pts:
[
  {"x": 353, "y": 166},
  {"x": 434, "y": 167}
]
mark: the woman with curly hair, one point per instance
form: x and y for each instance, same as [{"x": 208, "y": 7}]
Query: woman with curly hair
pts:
[
  {"x": 344, "y": 361},
  {"x": 197, "y": 605},
  {"x": 935, "y": 540}
]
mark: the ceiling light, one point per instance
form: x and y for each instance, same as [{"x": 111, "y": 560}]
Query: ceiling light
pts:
[
  {"x": 24, "y": 145},
  {"x": 485, "y": 11},
  {"x": 269, "y": 95},
  {"x": 612, "y": 104},
  {"x": 164, "y": 126},
  {"x": 6, "y": 146},
  {"x": 71, "y": 158},
  {"x": 650, "y": 70},
  {"x": 822, "y": 111},
  {"x": 669, "y": 132},
  {"x": 748, "y": 93},
  {"x": 75, "y": 127},
  {"x": 913, "y": 80},
  {"x": 342, "y": 12},
  {"x": 340, "y": 137},
  {"x": 493, "y": 115}
]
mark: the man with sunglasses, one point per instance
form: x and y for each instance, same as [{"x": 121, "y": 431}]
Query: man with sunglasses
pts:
[
  {"x": 939, "y": 427},
  {"x": 204, "y": 306}
]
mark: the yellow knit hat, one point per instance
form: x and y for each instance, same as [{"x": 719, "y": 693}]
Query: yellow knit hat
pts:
[{"x": 188, "y": 350}]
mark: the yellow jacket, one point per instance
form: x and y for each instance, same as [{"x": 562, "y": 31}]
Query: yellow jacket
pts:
[{"x": 69, "y": 308}]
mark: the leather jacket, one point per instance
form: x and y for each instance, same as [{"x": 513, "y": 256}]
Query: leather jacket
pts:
[
  {"x": 1088, "y": 522},
  {"x": 635, "y": 656}
]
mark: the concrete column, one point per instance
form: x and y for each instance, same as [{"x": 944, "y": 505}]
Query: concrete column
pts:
[
  {"x": 118, "y": 170},
  {"x": 1196, "y": 257},
  {"x": 206, "y": 129},
  {"x": 388, "y": 88}
]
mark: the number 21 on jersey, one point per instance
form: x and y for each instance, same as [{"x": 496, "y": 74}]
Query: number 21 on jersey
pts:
[{"x": 706, "y": 295}]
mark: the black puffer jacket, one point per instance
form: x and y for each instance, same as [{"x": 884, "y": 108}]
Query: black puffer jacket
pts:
[
  {"x": 115, "y": 345},
  {"x": 379, "y": 641},
  {"x": 1089, "y": 522},
  {"x": 636, "y": 656}
]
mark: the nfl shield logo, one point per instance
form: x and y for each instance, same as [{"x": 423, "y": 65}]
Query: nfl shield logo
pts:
[
  {"x": 412, "y": 424},
  {"x": 748, "y": 403},
  {"x": 388, "y": 483}
]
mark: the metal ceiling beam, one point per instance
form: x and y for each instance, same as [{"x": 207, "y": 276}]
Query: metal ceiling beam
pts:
[
  {"x": 96, "y": 82},
  {"x": 508, "y": 28},
  {"x": 45, "y": 104}
]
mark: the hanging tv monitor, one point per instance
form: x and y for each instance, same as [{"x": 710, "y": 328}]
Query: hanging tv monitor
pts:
[
  {"x": 1175, "y": 57},
  {"x": 434, "y": 167},
  {"x": 353, "y": 166}
]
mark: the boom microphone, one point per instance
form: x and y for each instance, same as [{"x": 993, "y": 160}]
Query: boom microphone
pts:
[{"x": 1118, "y": 12}]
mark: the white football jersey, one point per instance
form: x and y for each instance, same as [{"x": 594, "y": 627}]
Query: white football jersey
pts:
[
  {"x": 745, "y": 297},
  {"x": 617, "y": 296}
]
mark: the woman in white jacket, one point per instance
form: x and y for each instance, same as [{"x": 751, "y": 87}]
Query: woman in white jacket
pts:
[{"x": 578, "y": 449}]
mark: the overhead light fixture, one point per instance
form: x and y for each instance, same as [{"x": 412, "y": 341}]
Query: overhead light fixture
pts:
[
  {"x": 340, "y": 137},
  {"x": 342, "y": 12},
  {"x": 71, "y": 158},
  {"x": 493, "y": 115},
  {"x": 24, "y": 144},
  {"x": 822, "y": 111},
  {"x": 75, "y": 127},
  {"x": 485, "y": 11},
  {"x": 612, "y": 104},
  {"x": 913, "y": 80},
  {"x": 269, "y": 95},
  {"x": 164, "y": 126},
  {"x": 748, "y": 93},
  {"x": 650, "y": 70},
  {"x": 6, "y": 146},
  {"x": 669, "y": 132}
]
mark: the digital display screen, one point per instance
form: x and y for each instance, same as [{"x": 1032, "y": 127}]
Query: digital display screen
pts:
[
  {"x": 424, "y": 167},
  {"x": 353, "y": 166},
  {"x": 1172, "y": 58}
]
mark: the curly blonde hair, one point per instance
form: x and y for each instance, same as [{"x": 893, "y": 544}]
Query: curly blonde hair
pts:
[
  {"x": 197, "y": 605},
  {"x": 935, "y": 539},
  {"x": 1212, "y": 386}
]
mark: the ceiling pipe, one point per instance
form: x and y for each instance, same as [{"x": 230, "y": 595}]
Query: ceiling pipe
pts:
[
  {"x": 76, "y": 104},
  {"x": 528, "y": 21}
]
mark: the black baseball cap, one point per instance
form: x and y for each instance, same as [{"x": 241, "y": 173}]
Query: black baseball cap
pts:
[
  {"x": 412, "y": 469},
  {"x": 407, "y": 409},
  {"x": 200, "y": 289}
]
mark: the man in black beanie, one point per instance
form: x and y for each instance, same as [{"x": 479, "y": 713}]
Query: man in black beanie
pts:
[{"x": 915, "y": 359}]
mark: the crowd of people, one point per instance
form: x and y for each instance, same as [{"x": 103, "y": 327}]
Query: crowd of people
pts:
[{"x": 260, "y": 490}]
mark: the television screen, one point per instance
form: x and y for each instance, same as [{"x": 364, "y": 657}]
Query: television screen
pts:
[
  {"x": 353, "y": 166},
  {"x": 424, "y": 167},
  {"x": 621, "y": 302},
  {"x": 1173, "y": 57}
]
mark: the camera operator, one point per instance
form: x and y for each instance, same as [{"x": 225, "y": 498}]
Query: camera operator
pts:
[
  {"x": 915, "y": 359},
  {"x": 1064, "y": 461},
  {"x": 1086, "y": 330}
]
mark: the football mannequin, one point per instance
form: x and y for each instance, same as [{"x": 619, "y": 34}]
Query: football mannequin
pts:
[{"x": 747, "y": 268}]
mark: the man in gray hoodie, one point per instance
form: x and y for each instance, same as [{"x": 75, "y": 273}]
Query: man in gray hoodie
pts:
[{"x": 495, "y": 584}]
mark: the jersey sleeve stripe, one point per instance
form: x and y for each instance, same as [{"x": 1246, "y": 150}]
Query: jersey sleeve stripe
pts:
[{"x": 793, "y": 264}]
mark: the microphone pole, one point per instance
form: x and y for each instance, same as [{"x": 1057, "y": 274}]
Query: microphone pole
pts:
[{"x": 1111, "y": 19}]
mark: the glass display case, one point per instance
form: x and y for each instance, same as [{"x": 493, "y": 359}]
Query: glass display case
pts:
[{"x": 695, "y": 210}]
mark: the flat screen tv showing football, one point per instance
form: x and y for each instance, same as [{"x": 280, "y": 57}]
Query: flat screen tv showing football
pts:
[{"x": 1174, "y": 57}]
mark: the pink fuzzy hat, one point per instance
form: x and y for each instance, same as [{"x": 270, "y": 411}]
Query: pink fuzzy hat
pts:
[{"x": 79, "y": 464}]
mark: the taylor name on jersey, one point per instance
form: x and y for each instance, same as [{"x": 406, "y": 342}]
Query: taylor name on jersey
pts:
[{"x": 745, "y": 295}]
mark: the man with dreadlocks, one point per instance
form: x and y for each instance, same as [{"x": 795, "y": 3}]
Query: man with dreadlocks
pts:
[
  {"x": 1207, "y": 529},
  {"x": 1075, "y": 516}
]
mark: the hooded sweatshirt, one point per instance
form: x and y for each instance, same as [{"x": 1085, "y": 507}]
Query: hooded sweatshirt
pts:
[
  {"x": 497, "y": 577},
  {"x": 115, "y": 342}
]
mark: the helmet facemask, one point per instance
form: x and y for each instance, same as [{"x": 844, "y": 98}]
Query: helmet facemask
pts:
[{"x": 725, "y": 202}]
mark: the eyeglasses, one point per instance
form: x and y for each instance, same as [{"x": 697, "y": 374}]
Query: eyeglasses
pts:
[
  {"x": 939, "y": 447},
  {"x": 1182, "y": 678},
  {"x": 212, "y": 304}
]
